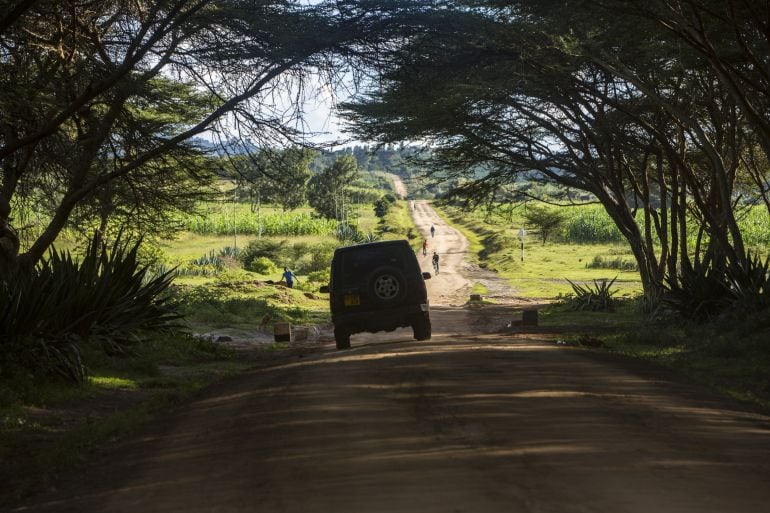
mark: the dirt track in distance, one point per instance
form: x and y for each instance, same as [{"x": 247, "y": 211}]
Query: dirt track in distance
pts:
[{"x": 468, "y": 422}]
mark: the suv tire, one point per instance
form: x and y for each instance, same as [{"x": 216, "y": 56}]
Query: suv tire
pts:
[
  {"x": 342, "y": 337},
  {"x": 421, "y": 328},
  {"x": 387, "y": 285}
]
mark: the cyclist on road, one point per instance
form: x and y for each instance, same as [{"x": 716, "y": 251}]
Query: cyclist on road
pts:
[
  {"x": 432, "y": 231},
  {"x": 425, "y": 248},
  {"x": 435, "y": 261}
]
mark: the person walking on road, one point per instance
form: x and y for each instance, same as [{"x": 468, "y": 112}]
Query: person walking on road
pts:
[
  {"x": 435, "y": 261},
  {"x": 289, "y": 277},
  {"x": 432, "y": 231},
  {"x": 425, "y": 247}
]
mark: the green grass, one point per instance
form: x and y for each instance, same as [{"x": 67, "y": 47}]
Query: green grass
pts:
[
  {"x": 244, "y": 301},
  {"x": 733, "y": 359},
  {"x": 546, "y": 268},
  {"x": 628, "y": 315},
  {"x": 479, "y": 288},
  {"x": 50, "y": 429},
  {"x": 113, "y": 382},
  {"x": 398, "y": 224}
]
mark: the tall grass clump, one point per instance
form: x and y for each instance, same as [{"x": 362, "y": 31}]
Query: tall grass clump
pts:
[
  {"x": 106, "y": 298},
  {"x": 618, "y": 263}
]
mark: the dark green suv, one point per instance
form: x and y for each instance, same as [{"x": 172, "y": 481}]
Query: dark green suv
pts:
[{"x": 377, "y": 287}]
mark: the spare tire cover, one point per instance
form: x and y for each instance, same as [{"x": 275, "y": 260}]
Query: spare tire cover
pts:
[{"x": 386, "y": 285}]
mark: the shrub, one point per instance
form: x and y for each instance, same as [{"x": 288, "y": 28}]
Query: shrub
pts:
[
  {"x": 211, "y": 260},
  {"x": 268, "y": 248},
  {"x": 350, "y": 234},
  {"x": 229, "y": 252},
  {"x": 617, "y": 263},
  {"x": 319, "y": 276},
  {"x": 263, "y": 265},
  {"x": 210, "y": 264},
  {"x": 318, "y": 258},
  {"x": 750, "y": 285},
  {"x": 197, "y": 270},
  {"x": 303, "y": 257},
  {"x": 382, "y": 207}
]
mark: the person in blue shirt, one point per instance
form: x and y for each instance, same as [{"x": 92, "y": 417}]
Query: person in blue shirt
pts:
[{"x": 289, "y": 277}]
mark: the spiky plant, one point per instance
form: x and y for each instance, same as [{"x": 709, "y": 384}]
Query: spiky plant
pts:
[
  {"x": 107, "y": 296},
  {"x": 596, "y": 298}
]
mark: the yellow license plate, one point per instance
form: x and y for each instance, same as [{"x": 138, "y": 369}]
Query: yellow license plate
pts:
[{"x": 352, "y": 300}]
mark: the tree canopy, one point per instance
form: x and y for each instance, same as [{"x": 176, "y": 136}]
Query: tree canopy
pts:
[
  {"x": 98, "y": 97},
  {"x": 330, "y": 189},
  {"x": 641, "y": 110}
]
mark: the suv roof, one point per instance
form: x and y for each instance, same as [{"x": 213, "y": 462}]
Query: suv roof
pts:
[{"x": 382, "y": 243}]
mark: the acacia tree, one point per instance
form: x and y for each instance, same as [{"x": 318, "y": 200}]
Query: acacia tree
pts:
[
  {"x": 276, "y": 176},
  {"x": 528, "y": 90},
  {"x": 545, "y": 220},
  {"x": 329, "y": 192},
  {"x": 732, "y": 36},
  {"x": 76, "y": 76},
  {"x": 272, "y": 176}
]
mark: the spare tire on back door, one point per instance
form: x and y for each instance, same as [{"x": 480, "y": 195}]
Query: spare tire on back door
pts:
[{"x": 386, "y": 285}]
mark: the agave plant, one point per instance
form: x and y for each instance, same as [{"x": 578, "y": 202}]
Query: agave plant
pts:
[
  {"x": 229, "y": 252},
  {"x": 698, "y": 292},
  {"x": 596, "y": 298},
  {"x": 749, "y": 285},
  {"x": 368, "y": 237},
  {"x": 210, "y": 259},
  {"x": 347, "y": 233},
  {"x": 45, "y": 314}
]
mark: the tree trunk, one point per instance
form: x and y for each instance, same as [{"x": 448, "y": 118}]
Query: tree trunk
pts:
[
  {"x": 259, "y": 216},
  {"x": 652, "y": 281},
  {"x": 9, "y": 248}
]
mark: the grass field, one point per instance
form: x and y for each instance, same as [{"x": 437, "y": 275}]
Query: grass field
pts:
[
  {"x": 47, "y": 429},
  {"x": 733, "y": 359},
  {"x": 546, "y": 267}
]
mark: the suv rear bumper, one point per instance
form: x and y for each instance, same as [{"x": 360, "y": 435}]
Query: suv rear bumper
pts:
[{"x": 381, "y": 320}]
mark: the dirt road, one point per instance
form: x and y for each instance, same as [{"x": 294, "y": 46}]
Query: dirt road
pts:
[
  {"x": 456, "y": 277},
  {"x": 467, "y": 422}
]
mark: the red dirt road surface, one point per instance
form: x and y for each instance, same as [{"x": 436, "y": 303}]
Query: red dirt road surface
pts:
[{"x": 468, "y": 422}]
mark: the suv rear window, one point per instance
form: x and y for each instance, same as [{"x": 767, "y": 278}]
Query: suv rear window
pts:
[{"x": 357, "y": 264}]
